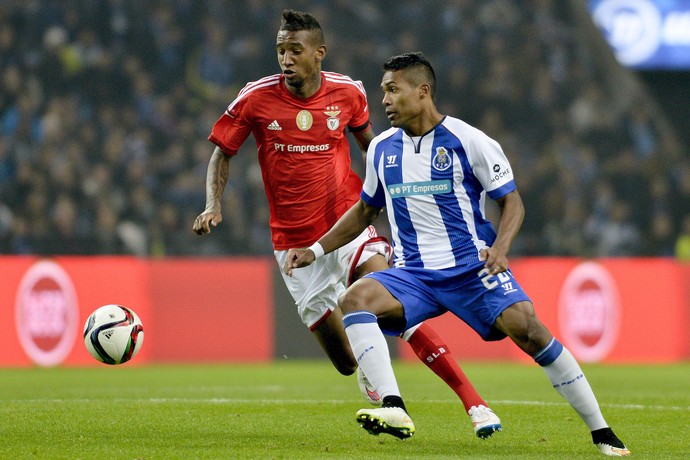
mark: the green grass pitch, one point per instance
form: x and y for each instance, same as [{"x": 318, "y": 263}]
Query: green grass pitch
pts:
[{"x": 305, "y": 409}]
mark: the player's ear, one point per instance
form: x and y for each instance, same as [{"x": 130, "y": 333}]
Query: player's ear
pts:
[
  {"x": 321, "y": 52},
  {"x": 424, "y": 90}
]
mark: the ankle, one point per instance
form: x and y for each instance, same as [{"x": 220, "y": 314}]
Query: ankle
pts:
[{"x": 394, "y": 401}]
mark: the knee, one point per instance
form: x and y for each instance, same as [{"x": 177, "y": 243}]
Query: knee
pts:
[
  {"x": 350, "y": 300},
  {"x": 538, "y": 336},
  {"x": 521, "y": 324},
  {"x": 369, "y": 295}
]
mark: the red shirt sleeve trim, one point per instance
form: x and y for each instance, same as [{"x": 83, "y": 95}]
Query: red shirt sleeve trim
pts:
[{"x": 219, "y": 144}]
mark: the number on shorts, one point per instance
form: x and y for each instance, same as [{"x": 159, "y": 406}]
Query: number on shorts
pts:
[{"x": 492, "y": 283}]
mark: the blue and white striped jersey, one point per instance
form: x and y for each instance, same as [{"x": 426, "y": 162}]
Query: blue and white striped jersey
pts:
[{"x": 434, "y": 188}]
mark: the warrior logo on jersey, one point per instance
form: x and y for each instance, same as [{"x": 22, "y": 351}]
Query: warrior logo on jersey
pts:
[
  {"x": 304, "y": 120},
  {"x": 333, "y": 121},
  {"x": 441, "y": 160}
]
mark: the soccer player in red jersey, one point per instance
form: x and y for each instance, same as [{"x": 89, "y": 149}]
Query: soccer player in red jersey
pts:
[{"x": 298, "y": 119}]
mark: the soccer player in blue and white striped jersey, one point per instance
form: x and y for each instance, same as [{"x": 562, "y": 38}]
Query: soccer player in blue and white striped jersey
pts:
[{"x": 432, "y": 174}]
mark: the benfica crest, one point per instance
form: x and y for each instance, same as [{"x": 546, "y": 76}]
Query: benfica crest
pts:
[{"x": 332, "y": 121}]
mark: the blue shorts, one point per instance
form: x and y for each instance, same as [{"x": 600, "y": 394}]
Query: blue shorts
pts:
[{"x": 470, "y": 293}]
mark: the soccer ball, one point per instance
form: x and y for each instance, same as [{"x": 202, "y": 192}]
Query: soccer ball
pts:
[{"x": 113, "y": 334}]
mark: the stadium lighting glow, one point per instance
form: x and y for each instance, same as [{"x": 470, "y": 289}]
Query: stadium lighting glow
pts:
[{"x": 646, "y": 34}]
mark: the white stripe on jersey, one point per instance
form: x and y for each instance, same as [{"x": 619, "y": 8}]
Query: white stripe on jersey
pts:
[
  {"x": 252, "y": 86},
  {"x": 340, "y": 78},
  {"x": 273, "y": 79}
]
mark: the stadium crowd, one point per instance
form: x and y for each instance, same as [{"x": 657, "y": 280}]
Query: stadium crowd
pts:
[{"x": 105, "y": 107}]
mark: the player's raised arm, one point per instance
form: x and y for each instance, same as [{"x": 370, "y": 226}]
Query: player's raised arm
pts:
[
  {"x": 346, "y": 229},
  {"x": 216, "y": 180}
]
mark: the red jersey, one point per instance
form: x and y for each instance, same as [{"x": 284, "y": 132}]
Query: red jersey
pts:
[{"x": 303, "y": 151}]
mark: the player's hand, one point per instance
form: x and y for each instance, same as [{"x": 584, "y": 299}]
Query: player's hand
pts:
[
  {"x": 203, "y": 222},
  {"x": 297, "y": 258},
  {"x": 495, "y": 261}
]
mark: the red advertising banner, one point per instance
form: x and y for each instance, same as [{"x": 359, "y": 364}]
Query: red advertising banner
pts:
[
  {"x": 192, "y": 310},
  {"x": 50, "y": 300},
  {"x": 222, "y": 310},
  {"x": 609, "y": 310},
  {"x": 211, "y": 310}
]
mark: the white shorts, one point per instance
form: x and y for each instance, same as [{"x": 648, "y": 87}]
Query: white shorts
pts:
[{"x": 316, "y": 288}]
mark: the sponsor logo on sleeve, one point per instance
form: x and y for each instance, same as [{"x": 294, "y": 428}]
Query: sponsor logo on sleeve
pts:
[{"x": 499, "y": 173}]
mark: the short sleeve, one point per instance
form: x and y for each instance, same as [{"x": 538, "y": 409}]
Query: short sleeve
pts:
[
  {"x": 490, "y": 166},
  {"x": 373, "y": 192},
  {"x": 232, "y": 128},
  {"x": 360, "y": 107}
]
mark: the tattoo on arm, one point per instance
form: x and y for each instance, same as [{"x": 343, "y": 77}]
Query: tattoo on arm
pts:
[{"x": 216, "y": 178}]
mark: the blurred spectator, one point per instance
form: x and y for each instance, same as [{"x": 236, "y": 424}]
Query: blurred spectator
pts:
[
  {"x": 614, "y": 234},
  {"x": 105, "y": 108},
  {"x": 682, "y": 247},
  {"x": 662, "y": 237}
]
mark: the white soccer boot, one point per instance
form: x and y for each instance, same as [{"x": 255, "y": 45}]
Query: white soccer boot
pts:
[
  {"x": 484, "y": 420},
  {"x": 390, "y": 420}
]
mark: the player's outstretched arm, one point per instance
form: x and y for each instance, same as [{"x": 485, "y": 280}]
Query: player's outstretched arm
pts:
[
  {"x": 216, "y": 180},
  {"x": 348, "y": 227}
]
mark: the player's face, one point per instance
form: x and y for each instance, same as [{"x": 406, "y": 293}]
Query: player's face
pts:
[
  {"x": 299, "y": 57},
  {"x": 401, "y": 99}
]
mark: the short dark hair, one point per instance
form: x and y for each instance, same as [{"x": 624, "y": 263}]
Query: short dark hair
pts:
[
  {"x": 421, "y": 69},
  {"x": 294, "y": 21}
]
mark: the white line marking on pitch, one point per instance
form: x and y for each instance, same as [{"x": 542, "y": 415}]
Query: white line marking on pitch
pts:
[{"x": 319, "y": 401}]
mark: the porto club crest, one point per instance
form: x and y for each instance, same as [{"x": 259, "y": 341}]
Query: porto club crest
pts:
[{"x": 441, "y": 160}]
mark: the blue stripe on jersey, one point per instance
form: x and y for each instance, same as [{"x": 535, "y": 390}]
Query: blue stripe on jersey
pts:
[
  {"x": 393, "y": 175},
  {"x": 456, "y": 227},
  {"x": 474, "y": 188}
]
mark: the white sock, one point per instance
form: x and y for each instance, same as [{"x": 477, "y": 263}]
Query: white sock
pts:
[
  {"x": 371, "y": 351},
  {"x": 567, "y": 378}
]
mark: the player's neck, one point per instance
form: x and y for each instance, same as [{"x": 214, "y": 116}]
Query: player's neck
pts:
[
  {"x": 308, "y": 89},
  {"x": 424, "y": 123}
]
